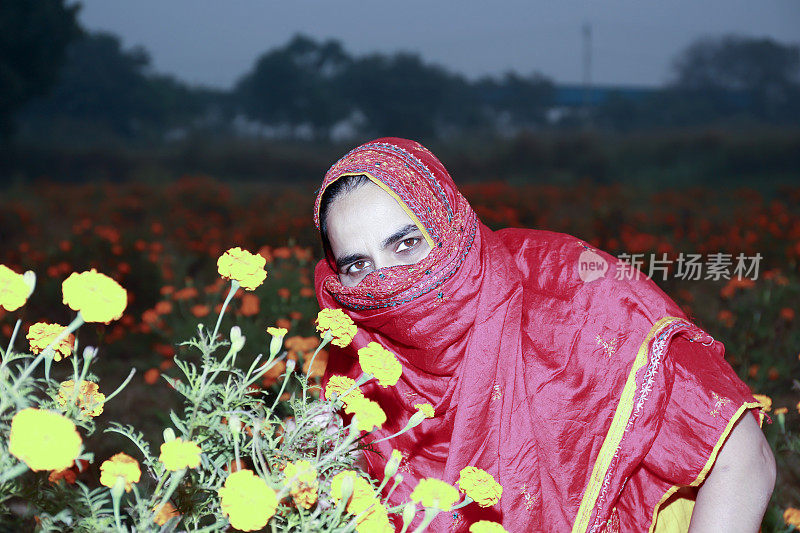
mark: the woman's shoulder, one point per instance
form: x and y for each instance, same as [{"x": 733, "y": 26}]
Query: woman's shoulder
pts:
[{"x": 563, "y": 267}]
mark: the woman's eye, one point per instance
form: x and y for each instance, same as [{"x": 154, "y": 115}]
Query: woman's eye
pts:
[
  {"x": 357, "y": 267},
  {"x": 407, "y": 244}
]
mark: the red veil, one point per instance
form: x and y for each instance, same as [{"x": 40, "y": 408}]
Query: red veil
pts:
[{"x": 588, "y": 395}]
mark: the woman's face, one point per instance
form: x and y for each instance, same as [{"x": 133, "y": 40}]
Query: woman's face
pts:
[{"x": 368, "y": 230}]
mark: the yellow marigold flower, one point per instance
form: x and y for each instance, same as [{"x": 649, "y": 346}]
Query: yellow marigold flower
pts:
[
  {"x": 43, "y": 440},
  {"x": 166, "y": 512},
  {"x": 765, "y": 401},
  {"x": 480, "y": 486},
  {"x": 301, "y": 478},
  {"x": 340, "y": 325},
  {"x": 89, "y": 399},
  {"x": 781, "y": 410},
  {"x": 14, "y": 291},
  {"x": 339, "y": 385},
  {"x": 277, "y": 332},
  {"x": 247, "y": 501},
  {"x": 368, "y": 413},
  {"x": 97, "y": 297},
  {"x": 792, "y": 517},
  {"x": 178, "y": 454},
  {"x": 485, "y": 526},
  {"x": 244, "y": 267},
  {"x": 431, "y": 492},
  {"x": 381, "y": 363},
  {"x": 375, "y": 519},
  {"x": 425, "y": 408},
  {"x": 120, "y": 466},
  {"x": 363, "y": 494},
  {"x": 41, "y": 334}
]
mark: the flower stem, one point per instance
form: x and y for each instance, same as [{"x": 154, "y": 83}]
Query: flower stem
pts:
[
  {"x": 234, "y": 287},
  {"x": 173, "y": 484},
  {"x": 467, "y": 501},
  {"x": 122, "y": 386},
  {"x": 11, "y": 343},
  {"x": 430, "y": 514}
]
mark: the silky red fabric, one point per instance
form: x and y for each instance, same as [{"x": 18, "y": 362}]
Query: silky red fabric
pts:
[{"x": 525, "y": 362}]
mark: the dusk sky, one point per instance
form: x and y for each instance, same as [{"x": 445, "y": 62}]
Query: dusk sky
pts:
[{"x": 213, "y": 42}]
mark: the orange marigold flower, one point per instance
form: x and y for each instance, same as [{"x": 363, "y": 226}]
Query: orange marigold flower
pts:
[
  {"x": 186, "y": 293},
  {"x": 178, "y": 454},
  {"x": 67, "y": 474},
  {"x": 163, "y": 514},
  {"x": 250, "y": 305},
  {"x": 96, "y": 296},
  {"x": 164, "y": 307},
  {"x": 244, "y": 267},
  {"x": 340, "y": 325},
  {"x": 282, "y": 252},
  {"x": 787, "y": 313},
  {"x": 792, "y": 517},
  {"x": 41, "y": 334},
  {"x": 301, "y": 478},
  {"x": 283, "y": 323},
  {"x": 726, "y": 317},
  {"x": 765, "y": 401},
  {"x": 307, "y": 292},
  {"x": 200, "y": 310},
  {"x": 89, "y": 399},
  {"x": 14, "y": 290},
  {"x": 151, "y": 375},
  {"x": 120, "y": 466},
  {"x": 781, "y": 410}
]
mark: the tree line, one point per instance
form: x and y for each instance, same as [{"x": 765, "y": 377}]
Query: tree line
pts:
[{"x": 60, "y": 83}]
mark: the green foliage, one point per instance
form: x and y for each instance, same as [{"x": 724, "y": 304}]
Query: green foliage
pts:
[{"x": 33, "y": 40}]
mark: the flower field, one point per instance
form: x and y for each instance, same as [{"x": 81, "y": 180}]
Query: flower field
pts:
[{"x": 166, "y": 244}]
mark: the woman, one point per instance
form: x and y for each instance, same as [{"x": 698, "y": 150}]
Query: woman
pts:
[{"x": 592, "y": 400}]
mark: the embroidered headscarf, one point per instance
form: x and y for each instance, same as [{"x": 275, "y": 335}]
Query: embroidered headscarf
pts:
[{"x": 546, "y": 362}]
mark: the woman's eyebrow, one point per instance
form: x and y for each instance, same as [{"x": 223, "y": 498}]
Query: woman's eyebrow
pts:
[
  {"x": 399, "y": 234},
  {"x": 347, "y": 259}
]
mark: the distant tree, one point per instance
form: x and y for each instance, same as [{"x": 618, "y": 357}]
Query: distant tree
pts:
[
  {"x": 34, "y": 35},
  {"x": 296, "y": 84},
  {"x": 758, "y": 73},
  {"x": 105, "y": 90},
  {"x": 400, "y": 95},
  {"x": 514, "y": 100}
]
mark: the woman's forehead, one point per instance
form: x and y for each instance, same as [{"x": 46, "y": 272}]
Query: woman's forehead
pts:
[{"x": 402, "y": 175}]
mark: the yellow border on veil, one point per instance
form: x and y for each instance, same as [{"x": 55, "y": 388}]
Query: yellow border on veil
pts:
[
  {"x": 615, "y": 432},
  {"x": 684, "y": 507}
]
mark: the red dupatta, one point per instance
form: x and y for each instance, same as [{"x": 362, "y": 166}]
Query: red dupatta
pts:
[{"x": 557, "y": 386}]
